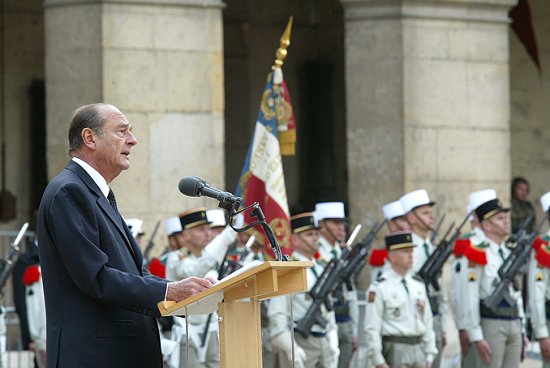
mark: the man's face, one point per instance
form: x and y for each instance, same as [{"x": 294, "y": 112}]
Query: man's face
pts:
[
  {"x": 215, "y": 231},
  {"x": 334, "y": 230},
  {"x": 423, "y": 218},
  {"x": 497, "y": 225},
  {"x": 112, "y": 150},
  {"x": 398, "y": 224},
  {"x": 197, "y": 236},
  {"x": 306, "y": 242},
  {"x": 401, "y": 259},
  {"x": 521, "y": 191},
  {"x": 242, "y": 238}
]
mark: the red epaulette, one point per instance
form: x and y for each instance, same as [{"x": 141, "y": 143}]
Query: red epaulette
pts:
[
  {"x": 460, "y": 247},
  {"x": 31, "y": 275},
  {"x": 538, "y": 243},
  {"x": 157, "y": 268},
  {"x": 378, "y": 257},
  {"x": 476, "y": 253},
  {"x": 542, "y": 255}
]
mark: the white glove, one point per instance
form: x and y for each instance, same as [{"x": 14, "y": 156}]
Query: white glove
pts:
[
  {"x": 282, "y": 342},
  {"x": 218, "y": 246}
]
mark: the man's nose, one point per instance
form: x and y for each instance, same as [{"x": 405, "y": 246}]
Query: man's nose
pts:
[{"x": 132, "y": 140}]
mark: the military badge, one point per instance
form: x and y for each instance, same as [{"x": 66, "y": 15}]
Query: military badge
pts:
[
  {"x": 396, "y": 313},
  {"x": 539, "y": 276},
  {"x": 372, "y": 295},
  {"x": 471, "y": 276},
  {"x": 420, "y": 305}
]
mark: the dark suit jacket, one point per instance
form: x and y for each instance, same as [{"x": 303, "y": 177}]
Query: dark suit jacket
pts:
[{"x": 100, "y": 302}]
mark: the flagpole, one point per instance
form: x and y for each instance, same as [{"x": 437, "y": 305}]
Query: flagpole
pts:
[{"x": 281, "y": 52}]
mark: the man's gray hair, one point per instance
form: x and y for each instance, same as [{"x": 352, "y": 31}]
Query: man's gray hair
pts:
[{"x": 88, "y": 116}]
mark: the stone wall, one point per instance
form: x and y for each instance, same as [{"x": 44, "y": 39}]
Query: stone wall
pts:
[
  {"x": 161, "y": 63},
  {"x": 530, "y": 107},
  {"x": 23, "y": 43},
  {"x": 427, "y": 102}
]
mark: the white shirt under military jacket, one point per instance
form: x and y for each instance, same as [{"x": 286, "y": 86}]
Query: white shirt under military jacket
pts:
[
  {"x": 422, "y": 250},
  {"x": 394, "y": 311},
  {"x": 328, "y": 251},
  {"x": 459, "y": 281},
  {"x": 481, "y": 281},
  {"x": 279, "y": 308},
  {"x": 539, "y": 286}
]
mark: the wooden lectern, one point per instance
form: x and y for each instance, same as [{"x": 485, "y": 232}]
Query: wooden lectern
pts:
[{"x": 237, "y": 300}]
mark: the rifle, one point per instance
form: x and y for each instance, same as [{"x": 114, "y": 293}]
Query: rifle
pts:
[
  {"x": 433, "y": 265},
  {"x": 150, "y": 242},
  {"x": 513, "y": 265},
  {"x": 8, "y": 263},
  {"x": 337, "y": 272},
  {"x": 435, "y": 233}
]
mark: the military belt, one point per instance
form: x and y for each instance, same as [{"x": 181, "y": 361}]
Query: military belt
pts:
[
  {"x": 409, "y": 340},
  {"x": 500, "y": 313}
]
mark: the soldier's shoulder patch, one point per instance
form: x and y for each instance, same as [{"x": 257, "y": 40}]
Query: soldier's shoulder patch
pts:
[
  {"x": 372, "y": 296},
  {"x": 472, "y": 276}
]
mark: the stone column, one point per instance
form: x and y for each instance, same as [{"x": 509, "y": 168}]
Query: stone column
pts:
[
  {"x": 161, "y": 63},
  {"x": 427, "y": 101}
]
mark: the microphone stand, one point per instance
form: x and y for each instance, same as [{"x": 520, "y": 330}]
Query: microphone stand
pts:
[{"x": 257, "y": 213}]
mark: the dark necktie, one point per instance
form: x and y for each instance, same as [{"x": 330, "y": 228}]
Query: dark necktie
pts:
[
  {"x": 501, "y": 253},
  {"x": 405, "y": 285},
  {"x": 112, "y": 201},
  {"x": 426, "y": 250}
]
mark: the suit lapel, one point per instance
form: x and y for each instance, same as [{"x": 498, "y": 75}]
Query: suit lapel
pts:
[{"x": 104, "y": 204}]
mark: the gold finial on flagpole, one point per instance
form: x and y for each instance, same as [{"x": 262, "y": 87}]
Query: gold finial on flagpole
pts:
[{"x": 284, "y": 43}]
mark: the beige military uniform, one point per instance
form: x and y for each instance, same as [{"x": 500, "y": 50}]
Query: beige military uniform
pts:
[
  {"x": 503, "y": 329},
  {"x": 459, "y": 288},
  {"x": 539, "y": 292},
  {"x": 347, "y": 316},
  {"x": 438, "y": 299},
  {"x": 319, "y": 349},
  {"x": 399, "y": 328},
  {"x": 179, "y": 265}
]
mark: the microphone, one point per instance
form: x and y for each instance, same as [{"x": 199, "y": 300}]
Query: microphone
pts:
[{"x": 193, "y": 186}]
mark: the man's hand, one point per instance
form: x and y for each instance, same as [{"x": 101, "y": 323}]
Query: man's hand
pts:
[
  {"x": 183, "y": 289},
  {"x": 464, "y": 341},
  {"x": 484, "y": 351},
  {"x": 545, "y": 348}
]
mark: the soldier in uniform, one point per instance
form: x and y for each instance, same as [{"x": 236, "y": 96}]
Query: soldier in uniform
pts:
[
  {"x": 135, "y": 226},
  {"x": 395, "y": 221},
  {"x": 216, "y": 217},
  {"x": 318, "y": 350},
  {"x": 332, "y": 222},
  {"x": 36, "y": 312},
  {"x": 539, "y": 288},
  {"x": 196, "y": 258},
  {"x": 399, "y": 328},
  {"x": 457, "y": 286},
  {"x": 419, "y": 214},
  {"x": 496, "y": 335}
]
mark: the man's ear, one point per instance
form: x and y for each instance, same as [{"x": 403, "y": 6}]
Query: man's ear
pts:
[{"x": 89, "y": 138}]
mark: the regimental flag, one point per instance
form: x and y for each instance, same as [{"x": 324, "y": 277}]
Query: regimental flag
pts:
[{"x": 262, "y": 178}]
